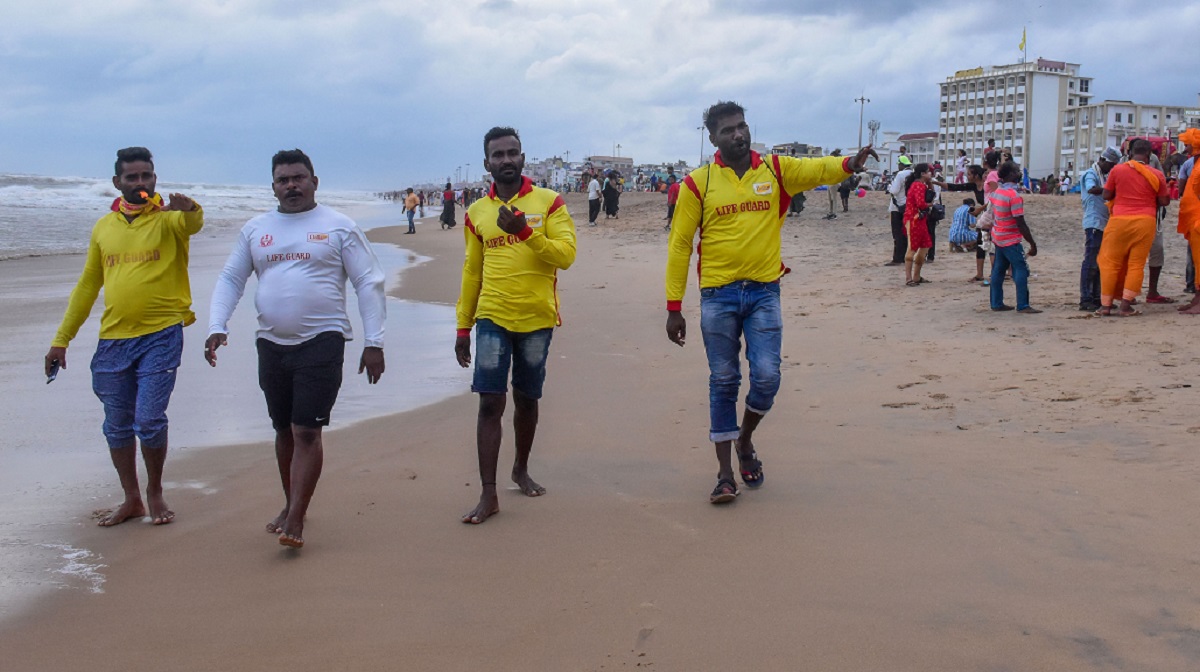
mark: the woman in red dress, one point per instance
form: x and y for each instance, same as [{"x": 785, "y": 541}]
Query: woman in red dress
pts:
[{"x": 916, "y": 210}]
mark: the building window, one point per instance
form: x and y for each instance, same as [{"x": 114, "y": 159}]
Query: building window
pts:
[{"x": 1083, "y": 85}]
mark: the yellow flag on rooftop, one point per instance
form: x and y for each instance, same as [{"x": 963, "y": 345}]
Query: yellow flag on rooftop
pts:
[{"x": 1022, "y": 45}]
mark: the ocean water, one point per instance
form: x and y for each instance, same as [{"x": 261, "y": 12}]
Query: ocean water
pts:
[
  {"x": 54, "y": 215},
  {"x": 56, "y": 465}
]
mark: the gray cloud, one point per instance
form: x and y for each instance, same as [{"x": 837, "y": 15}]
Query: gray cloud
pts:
[{"x": 387, "y": 92}]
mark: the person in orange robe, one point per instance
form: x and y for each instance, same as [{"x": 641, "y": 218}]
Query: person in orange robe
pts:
[
  {"x": 1189, "y": 215},
  {"x": 1136, "y": 191}
]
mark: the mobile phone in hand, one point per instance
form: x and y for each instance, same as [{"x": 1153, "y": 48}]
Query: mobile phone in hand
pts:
[{"x": 54, "y": 367}]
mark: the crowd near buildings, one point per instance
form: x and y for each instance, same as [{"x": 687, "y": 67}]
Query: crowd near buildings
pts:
[{"x": 1042, "y": 111}]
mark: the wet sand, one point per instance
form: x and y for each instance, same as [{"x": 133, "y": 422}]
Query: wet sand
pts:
[{"x": 947, "y": 489}]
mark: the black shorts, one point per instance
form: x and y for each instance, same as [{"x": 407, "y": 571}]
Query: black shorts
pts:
[{"x": 301, "y": 382}]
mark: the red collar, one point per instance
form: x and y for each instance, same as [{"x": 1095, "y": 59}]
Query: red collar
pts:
[
  {"x": 755, "y": 160},
  {"x": 526, "y": 187}
]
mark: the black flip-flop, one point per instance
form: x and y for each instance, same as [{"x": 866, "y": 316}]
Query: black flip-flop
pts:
[
  {"x": 753, "y": 477},
  {"x": 725, "y": 492}
]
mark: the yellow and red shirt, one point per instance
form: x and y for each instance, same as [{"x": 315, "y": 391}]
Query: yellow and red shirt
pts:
[
  {"x": 511, "y": 278},
  {"x": 143, "y": 268},
  {"x": 739, "y": 219}
]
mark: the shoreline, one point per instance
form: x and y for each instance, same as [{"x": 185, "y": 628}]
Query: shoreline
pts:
[
  {"x": 43, "y": 555},
  {"x": 948, "y": 489}
]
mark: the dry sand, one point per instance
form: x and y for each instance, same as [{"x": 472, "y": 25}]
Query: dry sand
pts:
[{"x": 947, "y": 489}]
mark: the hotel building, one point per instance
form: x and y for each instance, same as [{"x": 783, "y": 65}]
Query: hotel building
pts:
[{"x": 1019, "y": 106}]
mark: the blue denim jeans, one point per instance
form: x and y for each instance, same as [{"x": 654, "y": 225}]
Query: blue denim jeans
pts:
[
  {"x": 1089, "y": 272},
  {"x": 743, "y": 308},
  {"x": 1014, "y": 256},
  {"x": 411, "y": 213}
]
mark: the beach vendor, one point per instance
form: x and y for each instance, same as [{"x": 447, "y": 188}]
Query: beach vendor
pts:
[
  {"x": 302, "y": 253},
  {"x": 138, "y": 254},
  {"x": 738, "y": 205},
  {"x": 518, "y": 237},
  {"x": 1136, "y": 191}
]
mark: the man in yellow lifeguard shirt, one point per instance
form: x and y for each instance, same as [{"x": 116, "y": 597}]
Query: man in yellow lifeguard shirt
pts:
[
  {"x": 139, "y": 255},
  {"x": 518, "y": 237},
  {"x": 739, "y": 203}
]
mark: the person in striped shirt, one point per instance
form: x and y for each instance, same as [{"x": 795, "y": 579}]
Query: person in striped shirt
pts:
[
  {"x": 738, "y": 204},
  {"x": 1007, "y": 233}
]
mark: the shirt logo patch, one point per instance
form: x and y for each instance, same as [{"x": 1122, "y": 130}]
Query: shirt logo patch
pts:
[
  {"x": 318, "y": 237},
  {"x": 763, "y": 188},
  {"x": 534, "y": 221},
  {"x": 266, "y": 240}
]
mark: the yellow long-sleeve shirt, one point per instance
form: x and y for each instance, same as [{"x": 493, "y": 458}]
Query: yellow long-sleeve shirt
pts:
[
  {"x": 143, "y": 268},
  {"x": 511, "y": 278},
  {"x": 739, "y": 219}
]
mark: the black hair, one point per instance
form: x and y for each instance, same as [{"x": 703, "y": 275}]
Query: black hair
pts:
[
  {"x": 287, "y": 157},
  {"x": 975, "y": 169},
  {"x": 969, "y": 202},
  {"x": 447, "y": 185},
  {"x": 722, "y": 109},
  {"x": 992, "y": 158},
  {"x": 1139, "y": 146},
  {"x": 917, "y": 171},
  {"x": 131, "y": 154},
  {"x": 962, "y": 152},
  {"x": 1009, "y": 169},
  {"x": 496, "y": 133}
]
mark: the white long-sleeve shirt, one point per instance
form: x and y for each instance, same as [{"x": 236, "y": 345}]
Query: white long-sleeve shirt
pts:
[
  {"x": 302, "y": 262},
  {"x": 896, "y": 189}
]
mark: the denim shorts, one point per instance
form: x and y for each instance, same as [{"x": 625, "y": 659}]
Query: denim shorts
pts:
[
  {"x": 134, "y": 379},
  {"x": 497, "y": 348}
]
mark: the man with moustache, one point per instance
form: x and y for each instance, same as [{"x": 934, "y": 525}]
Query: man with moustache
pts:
[
  {"x": 737, "y": 203},
  {"x": 303, "y": 254},
  {"x": 138, "y": 254},
  {"x": 518, "y": 236}
]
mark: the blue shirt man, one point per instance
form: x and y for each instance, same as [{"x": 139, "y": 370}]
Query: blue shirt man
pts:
[{"x": 1095, "y": 218}]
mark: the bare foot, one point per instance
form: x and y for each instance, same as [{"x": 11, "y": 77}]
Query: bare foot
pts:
[
  {"x": 488, "y": 506},
  {"x": 527, "y": 484},
  {"x": 128, "y": 509},
  {"x": 276, "y": 526},
  {"x": 160, "y": 513},
  {"x": 291, "y": 540},
  {"x": 1191, "y": 310}
]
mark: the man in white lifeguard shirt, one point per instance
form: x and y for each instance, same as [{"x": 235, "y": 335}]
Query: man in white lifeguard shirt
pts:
[{"x": 303, "y": 254}]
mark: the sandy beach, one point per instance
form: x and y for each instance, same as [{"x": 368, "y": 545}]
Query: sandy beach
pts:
[{"x": 947, "y": 488}]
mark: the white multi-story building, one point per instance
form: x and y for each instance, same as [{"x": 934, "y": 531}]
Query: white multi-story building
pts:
[
  {"x": 1088, "y": 129},
  {"x": 921, "y": 147},
  {"x": 1018, "y": 105}
]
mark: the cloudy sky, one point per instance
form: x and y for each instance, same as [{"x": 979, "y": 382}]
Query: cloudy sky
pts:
[{"x": 385, "y": 93}]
